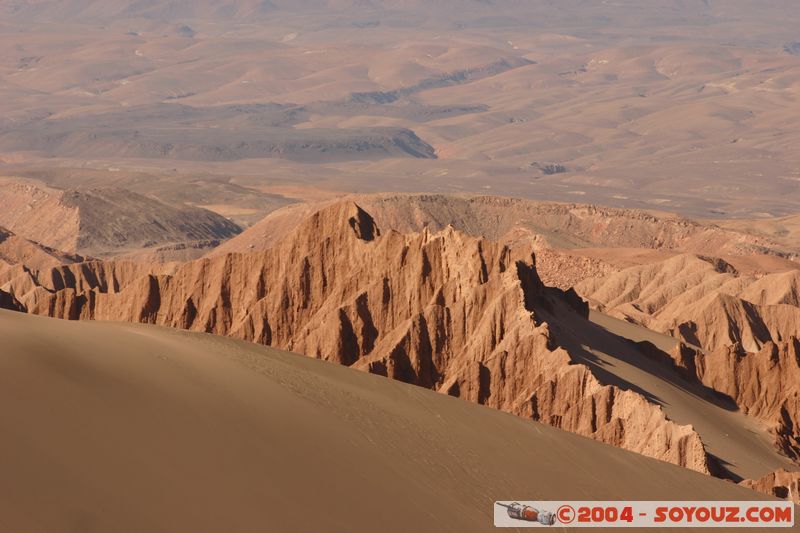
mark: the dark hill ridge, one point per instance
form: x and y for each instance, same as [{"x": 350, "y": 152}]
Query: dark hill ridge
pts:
[
  {"x": 445, "y": 80},
  {"x": 65, "y": 138}
]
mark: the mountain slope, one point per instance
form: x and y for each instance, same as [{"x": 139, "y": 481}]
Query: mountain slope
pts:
[
  {"x": 25, "y": 265},
  {"x": 104, "y": 221},
  {"x": 15, "y": 250},
  {"x": 629, "y": 11}
]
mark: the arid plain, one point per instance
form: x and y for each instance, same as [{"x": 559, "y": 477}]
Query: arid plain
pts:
[
  {"x": 687, "y": 105},
  {"x": 584, "y": 214}
]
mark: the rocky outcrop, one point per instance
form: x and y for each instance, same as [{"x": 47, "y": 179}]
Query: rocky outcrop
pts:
[
  {"x": 8, "y": 301},
  {"x": 764, "y": 384},
  {"x": 21, "y": 262},
  {"x": 780, "y": 484},
  {"x": 443, "y": 310},
  {"x": 562, "y": 269},
  {"x": 445, "y": 80},
  {"x": 739, "y": 333},
  {"x": 778, "y": 288},
  {"x": 702, "y": 301},
  {"x": 647, "y": 290},
  {"x": 548, "y": 169}
]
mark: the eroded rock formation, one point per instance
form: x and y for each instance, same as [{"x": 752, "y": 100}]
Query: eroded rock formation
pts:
[
  {"x": 764, "y": 384},
  {"x": 739, "y": 333},
  {"x": 781, "y": 484},
  {"x": 702, "y": 301},
  {"x": 503, "y": 219}
]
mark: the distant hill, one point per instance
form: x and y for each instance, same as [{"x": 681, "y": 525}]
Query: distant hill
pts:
[{"x": 104, "y": 222}]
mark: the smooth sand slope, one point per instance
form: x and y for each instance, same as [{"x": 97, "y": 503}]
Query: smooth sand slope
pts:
[{"x": 110, "y": 427}]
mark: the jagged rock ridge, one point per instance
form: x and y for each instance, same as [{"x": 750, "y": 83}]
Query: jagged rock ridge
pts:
[{"x": 514, "y": 220}]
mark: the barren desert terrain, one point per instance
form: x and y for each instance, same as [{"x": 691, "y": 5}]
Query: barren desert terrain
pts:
[
  {"x": 539, "y": 250},
  {"x": 683, "y": 105}
]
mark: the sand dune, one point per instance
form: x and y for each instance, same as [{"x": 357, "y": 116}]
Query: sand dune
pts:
[{"x": 211, "y": 434}]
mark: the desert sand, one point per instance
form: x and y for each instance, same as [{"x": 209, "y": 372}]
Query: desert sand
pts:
[{"x": 141, "y": 428}]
